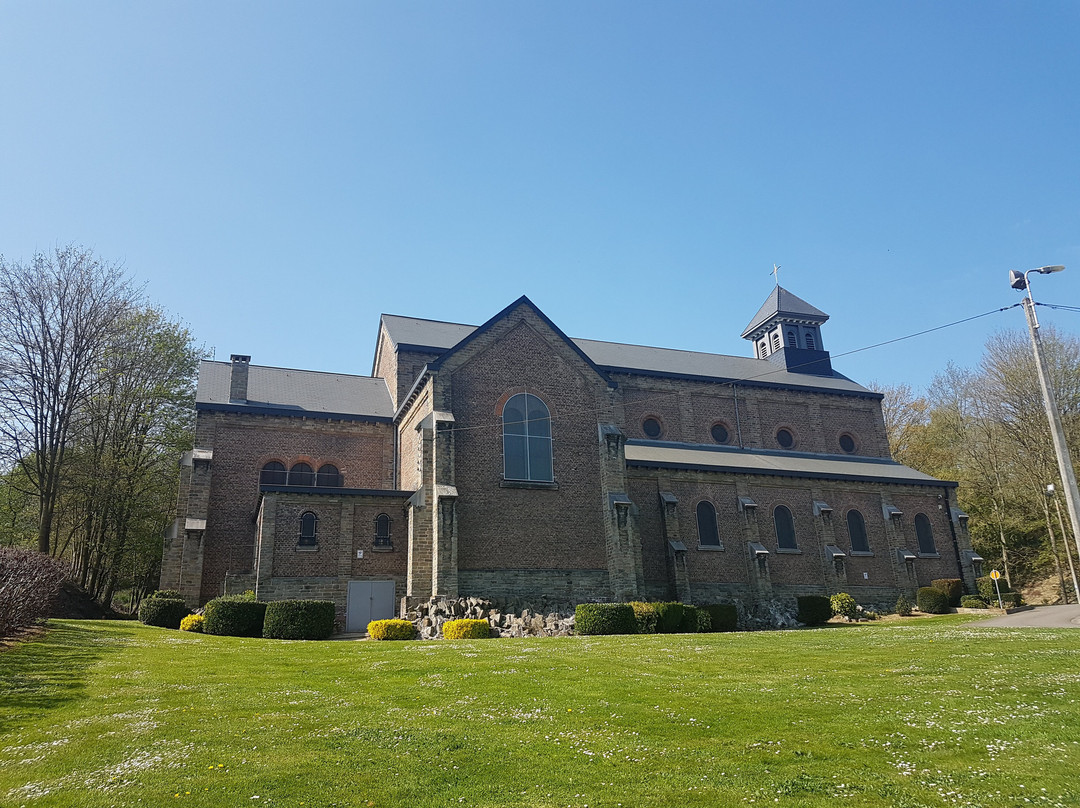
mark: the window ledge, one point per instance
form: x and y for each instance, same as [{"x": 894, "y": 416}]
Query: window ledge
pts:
[
  {"x": 382, "y": 548},
  {"x": 863, "y": 553},
  {"x": 552, "y": 486},
  {"x": 307, "y": 548},
  {"x": 789, "y": 550},
  {"x": 929, "y": 555},
  {"x": 711, "y": 548}
]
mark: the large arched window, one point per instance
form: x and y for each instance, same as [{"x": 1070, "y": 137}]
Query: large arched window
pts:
[
  {"x": 856, "y": 528},
  {"x": 785, "y": 529},
  {"x": 708, "y": 535},
  {"x": 382, "y": 530},
  {"x": 309, "y": 529},
  {"x": 328, "y": 477},
  {"x": 925, "y": 534},
  {"x": 273, "y": 473},
  {"x": 527, "y": 439},
  {"x": 301, "y": 474}
]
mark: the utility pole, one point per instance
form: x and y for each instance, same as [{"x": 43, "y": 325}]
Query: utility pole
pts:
[{"x": 1061, "y": 449}]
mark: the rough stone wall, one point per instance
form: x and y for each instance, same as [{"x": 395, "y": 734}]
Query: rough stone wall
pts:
[
  {"x": 363, "y": 451},
  {"x": 502, "y": 526},
  {"x": 386, "y": 365}
]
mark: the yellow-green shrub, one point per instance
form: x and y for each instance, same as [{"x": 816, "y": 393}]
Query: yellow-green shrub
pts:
[
  {"x": 391, "y": 630},
  {"x": 466, "y": 630},
  {"x": 193, "y": 622}
]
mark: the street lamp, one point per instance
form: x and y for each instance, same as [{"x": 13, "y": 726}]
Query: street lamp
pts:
[{"x": 1019, "y": 280}]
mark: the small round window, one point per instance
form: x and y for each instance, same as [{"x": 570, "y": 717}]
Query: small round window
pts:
[
  {"x": 847, "y": 443},
  {"x": 651, "y": 427},
  {"x": 720, "y": 433},
  {"x": 785, "y": 438}
]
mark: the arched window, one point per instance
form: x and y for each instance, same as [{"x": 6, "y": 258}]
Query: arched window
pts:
[
  {"x": 273, "y": 473},
  {"x": 382, "y": 530},
  {"x": 309, "y": 529},
  {"x": 810, "y": 340},
  {"x": 763, "y": 349},
  {"x": 856, "y": 528},
  {"x": 301, "y": 474},
  {"x": 328, "y": 477},
  {"x": 776, "y": 341},
  {"x": 785, "y": 529},
  {"x": 792, "y": 342},
  {"x": 527, "y": 439},
  {"x": 708, "y": 535},
  {"x": 925, "y": 534}
]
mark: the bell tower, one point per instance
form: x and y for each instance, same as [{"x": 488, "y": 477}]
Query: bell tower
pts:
[{"x": 787, "y": 330}]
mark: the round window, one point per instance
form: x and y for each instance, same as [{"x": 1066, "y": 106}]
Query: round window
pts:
[
  {"x": 651, "y": 427},
  {"x": 785, "y": 438},
  {"x": 847, "y": 443},
  {"x": 720, "y": 433}
]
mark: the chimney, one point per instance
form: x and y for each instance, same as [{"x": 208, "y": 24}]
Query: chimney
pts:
[{"x": 239, "y": 380}]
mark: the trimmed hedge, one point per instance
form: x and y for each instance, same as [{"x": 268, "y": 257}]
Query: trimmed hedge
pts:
[
  {"x": 169, "y": 594},
  {"x": 298, "y": 620},
  {"x": 903, "y": 606},
  {"x": 604, "y": 618},
  {"x": 985, "y": 585},
  {"x": 1011, "y": 599},
  {"x": 163, "y": 612},
  {"x": 234, "y": 616},
  {"x": 725, "y": 617},
  {"x": 972, "y": 602},
  {"x": 932, "y": 600},
  {"x": 645, "y": 614},
  {"x": 844, "y": 605},
  {"x": 814, "y": 610},
  {"x": 466, "y": 629},
  {"x": 952, "y": 587},
  {"x": 391, "y": 630},
  {"x": 193, "y": 623}
]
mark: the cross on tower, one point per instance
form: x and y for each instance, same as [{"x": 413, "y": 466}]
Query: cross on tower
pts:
[{"x": 776, "y": 273}]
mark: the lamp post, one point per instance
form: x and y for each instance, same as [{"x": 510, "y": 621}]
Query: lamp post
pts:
[{"x": 1072, "y": 497}]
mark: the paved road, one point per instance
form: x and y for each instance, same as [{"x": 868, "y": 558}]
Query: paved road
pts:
[{"x": 1039, "y": 617}]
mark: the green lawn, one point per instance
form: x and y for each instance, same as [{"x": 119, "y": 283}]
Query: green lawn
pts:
[{"x": 930, "y": 713}]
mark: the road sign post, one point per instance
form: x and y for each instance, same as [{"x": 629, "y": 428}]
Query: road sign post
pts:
[{"x": 995, "y": 575}]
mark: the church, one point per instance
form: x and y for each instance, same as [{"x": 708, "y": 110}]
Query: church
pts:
[{"x": 511, "y": 462}]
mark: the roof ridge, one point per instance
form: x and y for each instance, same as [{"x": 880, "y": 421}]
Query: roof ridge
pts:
[{"x": 296, "y": 370}]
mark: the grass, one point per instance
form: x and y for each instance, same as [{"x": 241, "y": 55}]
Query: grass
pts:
[{"x": 934, "y": 713}]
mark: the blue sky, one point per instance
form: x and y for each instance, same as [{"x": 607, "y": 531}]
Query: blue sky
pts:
[{"x": 279, "y": 174}]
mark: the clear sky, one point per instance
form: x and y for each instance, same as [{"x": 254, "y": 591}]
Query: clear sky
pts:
[{"x": 279, "y": 174}]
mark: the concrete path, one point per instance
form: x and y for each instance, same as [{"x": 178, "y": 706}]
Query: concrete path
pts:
[{"x": 1039, "y": 617}]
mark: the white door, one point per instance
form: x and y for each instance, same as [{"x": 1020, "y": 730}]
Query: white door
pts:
[{"x": 368, "y": 600}]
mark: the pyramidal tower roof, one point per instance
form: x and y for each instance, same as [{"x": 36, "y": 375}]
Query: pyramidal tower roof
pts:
[{"x": 782, "y": 303}]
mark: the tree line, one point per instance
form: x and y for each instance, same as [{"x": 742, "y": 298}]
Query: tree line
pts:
[
  {"x": 97, "y": 390},
  {"x": 986, "y": 428}
]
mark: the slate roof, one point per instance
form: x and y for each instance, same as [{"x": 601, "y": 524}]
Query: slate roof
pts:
[
  {"x": 781, "y": 301},
  {"x": 295, "y": 392},
  {"x": 784, "y": 464},
  {"x": 414, "y": 333}
]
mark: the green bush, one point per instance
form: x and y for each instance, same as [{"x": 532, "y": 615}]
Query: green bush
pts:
[
  {"x": 985, "y": 585},
  {"x": 844, "y": 605},
  {"x": 704, "y": 620},
  {"x": 972, "y": 602},
  {"x": 193, "y": 623},
  {"x": 645, "y": 614},
  {"x": 903, "y": 606},
  {"x": 163, "y": 612},
  {"x": 814, "y": 610},
  {"x": 167, "y": 594},
  {"x": 1011, "y": 599},
  {"x": 952, "y": 587},
  {"x": 234, "y": 616},
  {"x": 299, "y": 620},
  {"x": 932, "y": 600},
  {"x": 466, "y": 629},
  {"x": 391, "y": 630},
  {"x": 725, "y": 617},
  {"x": 604, "y": 618}
]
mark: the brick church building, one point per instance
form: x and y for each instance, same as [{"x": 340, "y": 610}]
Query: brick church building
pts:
[{"x": 511, "y": 462}]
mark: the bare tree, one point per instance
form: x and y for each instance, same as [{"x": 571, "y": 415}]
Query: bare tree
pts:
[{"x": 58, "y": 314}]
